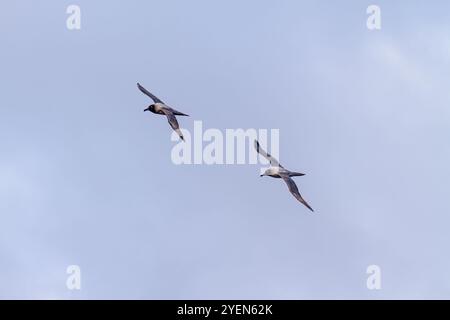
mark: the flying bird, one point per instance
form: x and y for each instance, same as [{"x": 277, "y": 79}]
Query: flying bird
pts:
[
  {"x": 276, "y": 170},
  {"x": 159, "y": 107}
]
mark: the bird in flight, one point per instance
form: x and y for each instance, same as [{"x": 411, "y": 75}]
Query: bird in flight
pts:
[
  {"x": 160, "y": 107},
  {"x": 276, "y": 170}
]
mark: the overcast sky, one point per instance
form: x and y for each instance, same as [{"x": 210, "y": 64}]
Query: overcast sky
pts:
[{"x": 86, "y": 177}]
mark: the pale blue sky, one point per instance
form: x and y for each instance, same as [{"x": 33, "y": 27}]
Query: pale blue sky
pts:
[{"x": 86, "y": 177}]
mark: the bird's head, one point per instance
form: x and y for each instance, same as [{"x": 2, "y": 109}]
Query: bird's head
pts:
[
  {"x": 264, "y": 172},
  {"x": 150, "y": 108}
]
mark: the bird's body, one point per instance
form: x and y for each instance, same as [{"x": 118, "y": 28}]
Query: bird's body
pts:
[
  {"x": 280, "y": 172},
  {"x": 159, "y": 107},
  {"x": 273, "y": 172},
  {"x": 276, "y": 170}
]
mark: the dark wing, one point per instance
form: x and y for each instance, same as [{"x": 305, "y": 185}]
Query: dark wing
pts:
[
  {"x": 273, "y": 162},
  {"x": 145, "y": 91},
  {"x": 294, "y": 190},
  {"x": 173, "y": 122}
]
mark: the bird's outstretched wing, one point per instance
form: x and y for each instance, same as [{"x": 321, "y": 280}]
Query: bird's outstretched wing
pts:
[
  {"x": 173, "y": 122},
  {"x": 294, "y": 190},
  {"x": 148, "y": 93},
  {"x": 273, "y": 162}
]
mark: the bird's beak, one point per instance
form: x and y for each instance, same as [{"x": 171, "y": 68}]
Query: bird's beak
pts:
[
  {"x": 261, "y": 175},
  {"x": 145, "y": 109}
]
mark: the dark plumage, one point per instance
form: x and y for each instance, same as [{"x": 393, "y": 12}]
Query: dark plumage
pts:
[{"x": 159, "y": 107}]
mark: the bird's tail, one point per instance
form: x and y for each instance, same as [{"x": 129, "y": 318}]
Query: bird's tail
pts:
[
  {"x": 178, "y": 113},
  {"x": 296, "y": 174}
]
